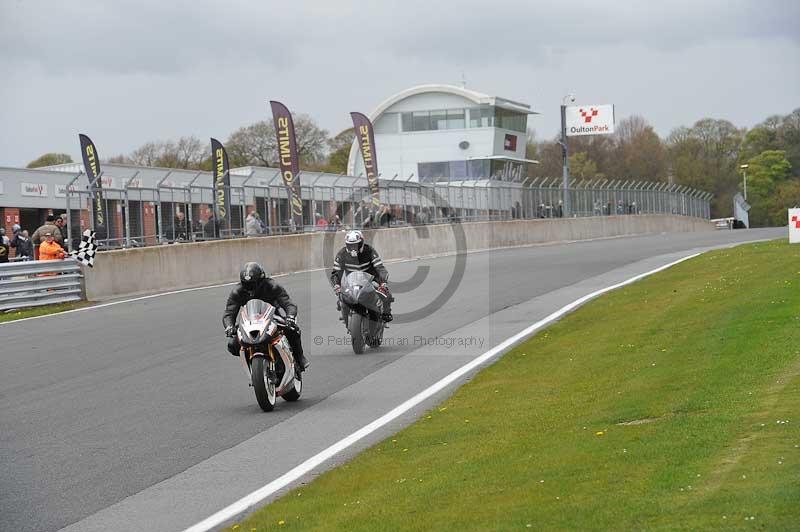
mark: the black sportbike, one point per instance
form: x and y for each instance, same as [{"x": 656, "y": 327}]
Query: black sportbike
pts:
[{"x": 362, "y": 305}]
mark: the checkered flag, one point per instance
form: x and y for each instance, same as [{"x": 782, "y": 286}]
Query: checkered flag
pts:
[{"x": 87, "y": 249}]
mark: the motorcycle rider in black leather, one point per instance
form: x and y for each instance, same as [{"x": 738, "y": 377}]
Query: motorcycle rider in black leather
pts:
[
  {"x": 254, "y": 283},
  {"x": 358, "y": 256}
]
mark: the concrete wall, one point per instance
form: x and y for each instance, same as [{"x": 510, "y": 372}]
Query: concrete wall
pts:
[{"x": 163, "y": 268}]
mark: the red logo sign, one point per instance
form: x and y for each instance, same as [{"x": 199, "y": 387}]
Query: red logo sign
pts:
[
  {"x": 588, "y": 114},
  {"x": 510, "y": 143},
  {"x": 796, "y": 221}
]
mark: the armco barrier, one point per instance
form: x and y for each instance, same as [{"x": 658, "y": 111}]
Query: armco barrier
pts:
[
  {"x": 36, "y": 283},
  {"x": 171, "y": 267}
]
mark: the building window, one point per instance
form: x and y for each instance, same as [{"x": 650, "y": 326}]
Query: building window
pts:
[
  {"x": 511, "y": 120},
  {"x": 485, "y": 116},
  {"x": 481, "y": 117},
  {"x": 439, "y": 119},
  {"x": 387, "y": 123},
  {"x": 408, "y": 122},
  {"x": 454, "y": 170},
  {"x": 478, "y": 169},
  {"x": 422, "y": 121},
  {"x": 431, "y": 172},
  {"x": 458, "y": 170},
  {"x": 455, "y": 119},
  {"x": 507, "y": 170},
  {"x": 434, "y": 120}
]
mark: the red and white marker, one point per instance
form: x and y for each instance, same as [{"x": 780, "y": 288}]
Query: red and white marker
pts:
[{"x": 794, "y": 226}]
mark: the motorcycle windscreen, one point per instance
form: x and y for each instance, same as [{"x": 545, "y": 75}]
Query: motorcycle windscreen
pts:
[
  {"x": 357, "y": 290},
  {"x": 257, "y": 310},
  {"x": 357, "y": 279}
]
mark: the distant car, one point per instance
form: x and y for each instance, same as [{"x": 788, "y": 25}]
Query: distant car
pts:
[{"x": 723, "y": 223}]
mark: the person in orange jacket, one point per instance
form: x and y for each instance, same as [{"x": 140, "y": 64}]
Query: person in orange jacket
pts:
[{"x": 49, "y": 249}]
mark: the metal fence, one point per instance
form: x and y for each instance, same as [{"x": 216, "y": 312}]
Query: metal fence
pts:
[
  {"x": 32, "y": 283},
  {"x": 167, "y": 212}
]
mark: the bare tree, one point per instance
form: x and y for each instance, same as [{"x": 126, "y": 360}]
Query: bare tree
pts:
[
  {"x": 186, "y": 152},
  {"x": 256, "y": 144},
  {"x": 146, "y": 155},
  {"x": 190, "y": 152}
]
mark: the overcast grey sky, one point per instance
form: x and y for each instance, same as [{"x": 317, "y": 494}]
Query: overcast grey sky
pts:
[{"x": 126, "y": 72}]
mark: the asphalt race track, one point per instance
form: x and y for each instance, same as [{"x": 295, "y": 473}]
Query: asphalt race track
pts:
[{"x": 134, "y": 416}]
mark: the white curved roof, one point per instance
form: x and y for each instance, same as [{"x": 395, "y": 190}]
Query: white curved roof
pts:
[{"x": 478, "y": 98}]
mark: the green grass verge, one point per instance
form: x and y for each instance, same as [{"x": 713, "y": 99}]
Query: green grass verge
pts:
[
  {"x": 673, "y": 403},
  {"x": 40, "y": 311}
]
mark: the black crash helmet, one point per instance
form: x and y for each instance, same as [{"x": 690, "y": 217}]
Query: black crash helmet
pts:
[{"x": 251, "y": 275}]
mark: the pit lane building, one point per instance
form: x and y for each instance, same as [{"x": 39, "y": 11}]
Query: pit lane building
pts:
[{"x": 447, "y": 133}]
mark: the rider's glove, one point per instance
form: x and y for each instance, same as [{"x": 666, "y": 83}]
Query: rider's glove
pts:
[
  {"x": 229, "y": 331},
  {"x": 383, "y": 289},
  {"x": 337, "y": 289},
  {"x": 291, "y": 322}
]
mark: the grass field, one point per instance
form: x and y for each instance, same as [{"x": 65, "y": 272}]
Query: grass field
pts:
[
  {"x": 673, "y": 403},
  {"x": 40, "y": 311}
]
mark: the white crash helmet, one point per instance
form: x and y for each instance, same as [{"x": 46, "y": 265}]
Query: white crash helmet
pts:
[{"x": 354, "y": 242}]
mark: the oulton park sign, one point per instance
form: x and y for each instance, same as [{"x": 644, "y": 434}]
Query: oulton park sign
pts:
[{"x": 589, "y": 120}]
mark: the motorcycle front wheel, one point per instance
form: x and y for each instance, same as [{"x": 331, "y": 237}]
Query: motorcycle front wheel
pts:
[
  {"x": 375, "y": 327},
  {"x": 356, "y": 333},
  {"x": 294, "y": 393},
  {"x": 262, "y": 385}
]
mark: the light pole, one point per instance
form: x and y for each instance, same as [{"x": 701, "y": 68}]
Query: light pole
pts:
[
  {"x": 744, "y": 168},
  {"x": 564, "y": 155}
]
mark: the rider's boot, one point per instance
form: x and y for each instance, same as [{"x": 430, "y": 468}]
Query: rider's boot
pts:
[
  {"x": 386, "y": 315},
  {"x": 301, "y": 361}
]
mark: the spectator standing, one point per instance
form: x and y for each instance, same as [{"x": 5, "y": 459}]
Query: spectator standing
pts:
[
  {"x": 205, "y": 226},
  {"x": 262, "y": 227},
  {"x": 50, "y": 249},
  {"x": 179, "y": 229},
  {"x": 5, "y": 245},
  {"x": 22, "y": 243},
  {"x": 252, "y": 225},
  {"x": 334, "y": 223},
  {"x": 61, "y": 223},
  {"x": 38, "y": 235},
  {"x": 384, "y": 216}
]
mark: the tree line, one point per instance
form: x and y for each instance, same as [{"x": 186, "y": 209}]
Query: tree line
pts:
[{"x": 708, "y": 156}]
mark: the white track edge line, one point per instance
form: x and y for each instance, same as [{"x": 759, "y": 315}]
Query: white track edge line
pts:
[{"x": 310, "y": 464}]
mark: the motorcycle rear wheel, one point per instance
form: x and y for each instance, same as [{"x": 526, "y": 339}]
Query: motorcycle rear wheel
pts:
[
  {"x": 356, "y": 332},
  {"x": 262, "y": 386}
]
